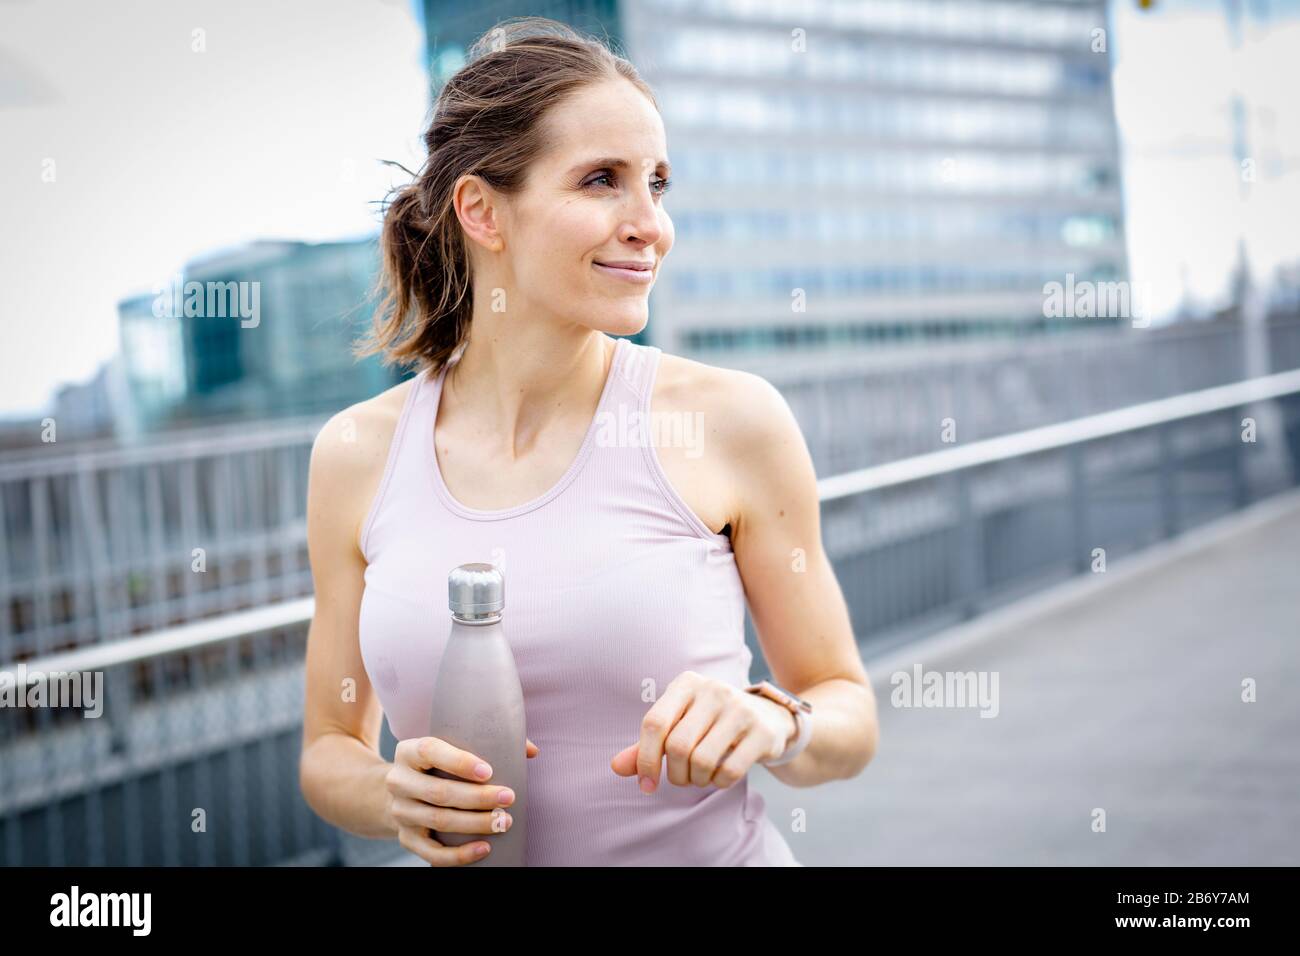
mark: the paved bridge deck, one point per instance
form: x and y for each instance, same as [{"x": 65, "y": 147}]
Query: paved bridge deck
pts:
[{"x": 1120, "y": 691}]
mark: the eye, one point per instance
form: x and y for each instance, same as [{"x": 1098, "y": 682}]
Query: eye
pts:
[{"x": 659, "y": 185}]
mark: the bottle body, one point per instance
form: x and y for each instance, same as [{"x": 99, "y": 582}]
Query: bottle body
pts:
[{"x": 478, "y": 705}]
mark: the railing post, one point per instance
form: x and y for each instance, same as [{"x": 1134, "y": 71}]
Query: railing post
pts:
[
  {"x": 969, "y": 553},
  {"x": 120, "y": 701},
  {"x": 1079, "y": 508},
  {"x": 1168, "y": 480},
  {"x": 1237, "y": 461}
]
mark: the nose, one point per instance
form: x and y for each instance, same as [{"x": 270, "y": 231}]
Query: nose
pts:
[{"x": 642, "y": 223}]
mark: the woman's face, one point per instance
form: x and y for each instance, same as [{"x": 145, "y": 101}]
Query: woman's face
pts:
[{"x": 593, "y": 198}]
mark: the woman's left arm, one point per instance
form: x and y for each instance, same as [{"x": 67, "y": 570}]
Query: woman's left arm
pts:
[
  {"x": 709, "y": 732},
  {"x": 798, "y": 608}
]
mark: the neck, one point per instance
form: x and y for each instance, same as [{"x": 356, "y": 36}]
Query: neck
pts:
[{"x": 515, "y": 382}]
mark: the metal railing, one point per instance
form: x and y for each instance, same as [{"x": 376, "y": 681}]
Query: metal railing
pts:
[
  {"x": 97, "y": 546},
  {"x": 1004, "y": 388},
  {"x": 204, "y": 719},
  {"x": 102, "y": 543}
]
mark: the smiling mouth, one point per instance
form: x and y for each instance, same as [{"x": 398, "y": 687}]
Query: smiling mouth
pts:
[{"x": 640, "y": 273}]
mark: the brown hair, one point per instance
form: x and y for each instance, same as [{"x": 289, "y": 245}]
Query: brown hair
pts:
[{"x": 486, "y": 121}]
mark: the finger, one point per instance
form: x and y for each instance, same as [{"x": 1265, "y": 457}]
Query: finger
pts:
[
  {"x": 624, "y": 762},
  {"x": 447, "y": 792},
  {"x": 727, "y": 729},
  {"x": 691, "y": 729},
  {"x": 657, "y": 723},
  {"x": 530, "y": 748},
  {"x": 426, "y": 753},
  {"x": 417, "y": 814},
  {"x": 435, "y": 853},
  {"x": 747, "y": 752}
]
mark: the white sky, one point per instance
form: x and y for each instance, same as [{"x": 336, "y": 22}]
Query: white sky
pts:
[
  {"x": 1174, "y": 75},
  {"x": 162, "y": 153}
]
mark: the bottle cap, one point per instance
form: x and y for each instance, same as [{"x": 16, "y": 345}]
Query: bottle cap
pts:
[{"x": 476, "y": 591}]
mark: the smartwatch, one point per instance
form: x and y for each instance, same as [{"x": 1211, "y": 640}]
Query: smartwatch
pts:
[{"x": 802, "y": 711}]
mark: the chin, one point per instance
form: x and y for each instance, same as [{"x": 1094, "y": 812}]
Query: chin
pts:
[{"x": 622, "y": 319}]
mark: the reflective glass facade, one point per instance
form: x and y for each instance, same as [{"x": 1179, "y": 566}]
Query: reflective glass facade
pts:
[
  {"x": 863, "y": 171},
  {"x": 876, "y": 172},
  {"x": 292, "y": 358}
]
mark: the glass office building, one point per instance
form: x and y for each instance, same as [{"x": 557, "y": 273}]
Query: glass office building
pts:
[
  {"x": 291, "y": 358},
  {"x": 864, "y": 171}
]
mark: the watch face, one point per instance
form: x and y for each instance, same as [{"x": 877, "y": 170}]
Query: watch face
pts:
[
  {"x": 794, "y": 702},
  {"x": 782, "y": 696}
]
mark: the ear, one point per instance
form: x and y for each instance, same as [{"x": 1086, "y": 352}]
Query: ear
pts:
[{"x": 477, "y": 207}]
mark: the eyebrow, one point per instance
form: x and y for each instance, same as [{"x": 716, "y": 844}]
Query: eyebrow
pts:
[{"x": 615, "y": 163}]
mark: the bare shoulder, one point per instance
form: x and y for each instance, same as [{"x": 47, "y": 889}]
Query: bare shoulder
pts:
[
  {"x": 750, "y": 452},
  {"x": 744, "y": 413},
  {"x": 350, "y": 451}
]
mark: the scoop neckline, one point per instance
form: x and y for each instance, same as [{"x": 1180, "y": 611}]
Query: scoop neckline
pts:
[{"x": 575, "y": 466}]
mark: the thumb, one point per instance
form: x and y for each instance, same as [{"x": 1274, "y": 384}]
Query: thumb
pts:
[{"x": 624, "y": 762}]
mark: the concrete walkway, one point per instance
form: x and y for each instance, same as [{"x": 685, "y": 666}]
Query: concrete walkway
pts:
[{"x": 1119, "y": 692}]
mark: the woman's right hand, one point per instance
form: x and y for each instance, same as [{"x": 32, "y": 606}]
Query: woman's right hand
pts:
[{"x": 420, "y": 803}]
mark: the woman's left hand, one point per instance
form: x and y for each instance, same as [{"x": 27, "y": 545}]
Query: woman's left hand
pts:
[{"x": 710, "y": 731}]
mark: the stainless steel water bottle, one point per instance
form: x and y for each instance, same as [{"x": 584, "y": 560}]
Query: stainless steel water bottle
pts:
[{"x": 478, "y": 704}]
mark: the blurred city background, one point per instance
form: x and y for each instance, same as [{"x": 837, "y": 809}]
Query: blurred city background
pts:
[{"x": 934, "y": 178}]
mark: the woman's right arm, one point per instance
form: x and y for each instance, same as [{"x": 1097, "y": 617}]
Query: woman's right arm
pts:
[{"x": 341, "y": 773}]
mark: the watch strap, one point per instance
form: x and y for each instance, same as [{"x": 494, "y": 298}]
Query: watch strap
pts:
[{"x": 802, "y": 711}]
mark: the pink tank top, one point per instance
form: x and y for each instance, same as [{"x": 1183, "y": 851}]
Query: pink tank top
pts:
[{"x": 613, "y": 587}]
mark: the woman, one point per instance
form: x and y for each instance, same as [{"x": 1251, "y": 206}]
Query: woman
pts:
[{"x": 528, "y": 241}]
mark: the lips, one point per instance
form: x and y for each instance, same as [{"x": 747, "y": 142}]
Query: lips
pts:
[
  {"x": 632, "y": 264},
  {"x": 627, "y": 270}
]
